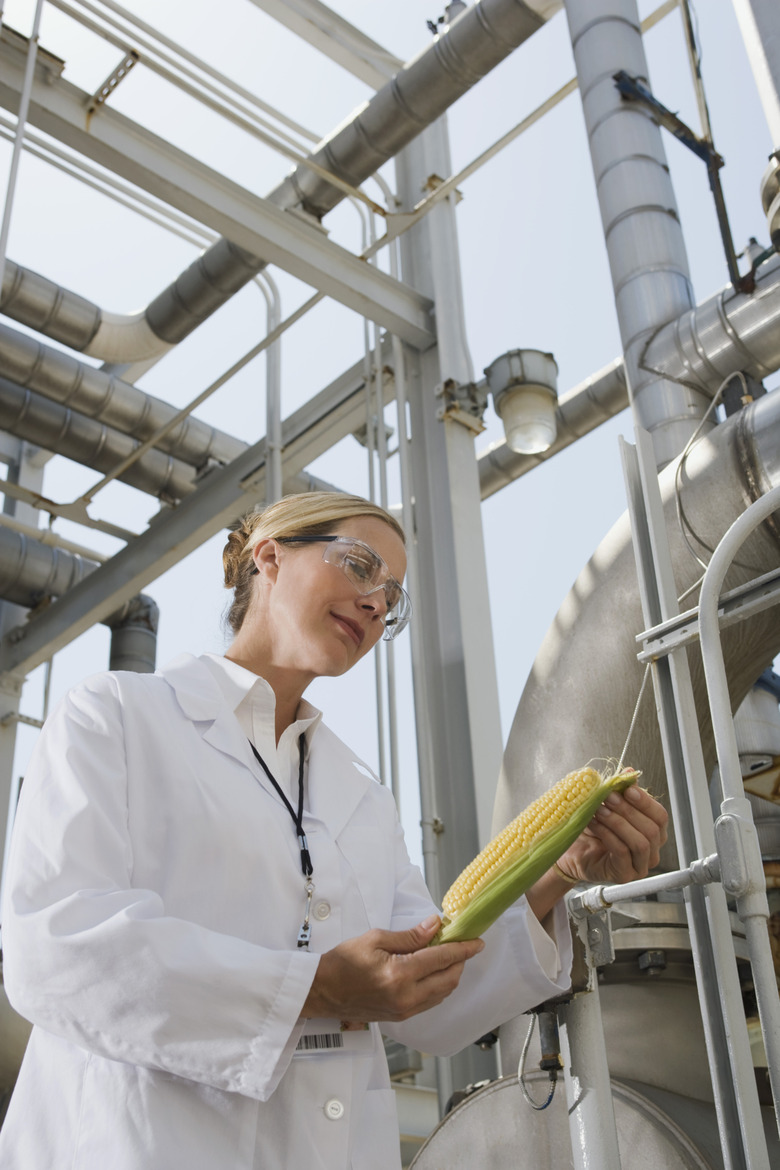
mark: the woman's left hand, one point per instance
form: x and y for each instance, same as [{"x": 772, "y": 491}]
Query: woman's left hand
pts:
[{"x": 621, "y": 843}]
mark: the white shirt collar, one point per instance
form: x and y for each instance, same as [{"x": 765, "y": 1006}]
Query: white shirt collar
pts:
[{"x": 252, "y": 700}]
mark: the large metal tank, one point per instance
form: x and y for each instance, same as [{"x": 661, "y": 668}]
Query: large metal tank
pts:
[{"x": 496, "y": 1128}]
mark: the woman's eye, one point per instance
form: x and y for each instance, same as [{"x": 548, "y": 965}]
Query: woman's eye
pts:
[{"x": 362, "y": 568}]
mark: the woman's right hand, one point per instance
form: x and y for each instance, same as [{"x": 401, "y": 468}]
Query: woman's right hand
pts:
[{"x": 387, "y": 975}]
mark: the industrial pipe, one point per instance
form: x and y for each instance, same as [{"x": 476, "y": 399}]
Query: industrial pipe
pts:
[
  {"x": 642, "y": 230},
  {"x": 457, "y": 58},
  {"x": 66, "y": 432}
]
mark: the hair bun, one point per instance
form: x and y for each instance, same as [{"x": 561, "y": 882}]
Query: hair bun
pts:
[{"x": 231, "y": 555}]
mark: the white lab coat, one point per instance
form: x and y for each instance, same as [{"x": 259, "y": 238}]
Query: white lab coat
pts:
[{"x": 154, "y": 896}]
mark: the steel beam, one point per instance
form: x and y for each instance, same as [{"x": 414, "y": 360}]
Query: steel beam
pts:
[
  {"x": 223, "y": 494},
  {"x": 330, "y": 34},
  {"x": 255, "y": 224}
]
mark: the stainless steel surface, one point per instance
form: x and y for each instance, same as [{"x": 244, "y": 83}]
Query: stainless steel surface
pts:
[
  {"x": 31, "y": 572},
  {"x": 43, "y": 305},
  {"x": 727, "y": 332},
  {"x": 495, "y": 1127},
  {"x": 67, "y": 380},
  {"x": 576, "y": 665},
  {"x": 67, "y": 432},
  {"x": 642, "y": 231},
  {"x": 134, "y": 636}
]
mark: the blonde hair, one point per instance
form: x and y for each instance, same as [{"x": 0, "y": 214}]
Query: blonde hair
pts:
[{"x": 307, "y": 514}]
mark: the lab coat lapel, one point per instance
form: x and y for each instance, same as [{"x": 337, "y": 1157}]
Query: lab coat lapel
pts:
[
  {"x": 201, "y": 700},
  {"x": 336, "y": 790}
]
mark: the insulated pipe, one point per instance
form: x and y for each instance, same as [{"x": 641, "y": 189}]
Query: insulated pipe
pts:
[
  {"x": 729, "y": 331},
  {"x": 43, "y": 305},
  {"x": 64, "y": 431},
  {"x": 580, "y": 696},
  {"x": 457, "y": 58},
  {"x": 66, "y": 380},
  {"x": 638, "y": 210},
  {"x": 134, "y": 635},
  {"x": 31, "y": 572}
]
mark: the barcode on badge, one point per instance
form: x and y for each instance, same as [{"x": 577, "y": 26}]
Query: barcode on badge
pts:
[{"x": 322, "y": 1040}]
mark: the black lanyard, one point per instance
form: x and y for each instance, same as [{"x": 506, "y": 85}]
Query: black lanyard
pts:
[
  {"x": 304, "y": 934},
  {"x": 306, "y": 865}
]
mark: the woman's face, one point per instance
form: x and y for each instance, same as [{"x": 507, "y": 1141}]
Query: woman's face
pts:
[{"x": 314, "y": 617}]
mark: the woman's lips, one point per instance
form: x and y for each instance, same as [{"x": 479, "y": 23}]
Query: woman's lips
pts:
[{"x": 354, "y": 630}]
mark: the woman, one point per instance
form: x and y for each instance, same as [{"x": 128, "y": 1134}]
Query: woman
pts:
[{"x": 206, "y": 885}]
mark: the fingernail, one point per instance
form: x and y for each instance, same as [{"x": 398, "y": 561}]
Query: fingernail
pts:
[
  {"x": 604, "y": 811},
  {"x": 633, "y": 794},
  {"x": 429, "y": 923},
  {"x": 613, "y": 799}
]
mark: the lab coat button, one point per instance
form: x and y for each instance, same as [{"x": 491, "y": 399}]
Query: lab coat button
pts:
[
  {"x": 334, "y": 1109},
  {"x": 322, "y": 911}
]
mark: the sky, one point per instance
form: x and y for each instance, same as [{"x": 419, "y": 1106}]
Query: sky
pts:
[{"x": 534, "y": 271}]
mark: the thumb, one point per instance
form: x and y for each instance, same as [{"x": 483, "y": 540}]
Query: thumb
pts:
[{"x": 406, "y": 942}]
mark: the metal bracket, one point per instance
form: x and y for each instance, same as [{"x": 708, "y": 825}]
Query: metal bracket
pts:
[
  {"x": 101, "y": 95},
  {"x": 599, "y": 936},
  {"x": 631, "y": 89},
  {"x": 463, "y": 402},
  {"x": 740, "y": 856}
]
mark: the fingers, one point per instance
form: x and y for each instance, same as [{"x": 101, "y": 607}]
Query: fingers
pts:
[
  {"x": 403, "y": 942},
  {"x": 632, "y": 827},
  {"x": 377, "y": 977}
]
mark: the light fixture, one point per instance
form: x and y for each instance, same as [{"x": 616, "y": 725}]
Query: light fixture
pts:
[{"x": 523, "y": 383}]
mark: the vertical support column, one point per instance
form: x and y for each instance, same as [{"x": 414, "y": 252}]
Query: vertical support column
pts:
[
  {"x": 10, "y": 696},
  {"x": 25, "y": 467},
  {"x": 592, "y": 1125},
  {"x": 759, "y": 24},
  {"x": 458, "y": 662},
  {"x": 458, "y": 723}
]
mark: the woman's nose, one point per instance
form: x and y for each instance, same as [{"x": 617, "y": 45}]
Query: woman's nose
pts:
[{"x": 376, "y": 601}]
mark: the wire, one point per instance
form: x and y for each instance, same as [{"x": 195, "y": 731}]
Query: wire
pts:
[
  {"x": 685, "y": 525},
  {"x": 521, "y": 1072},
  {"x": 645, "y": 677}
]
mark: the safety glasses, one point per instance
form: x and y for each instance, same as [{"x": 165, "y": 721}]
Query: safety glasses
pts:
[{"x": 366, "y": 570}]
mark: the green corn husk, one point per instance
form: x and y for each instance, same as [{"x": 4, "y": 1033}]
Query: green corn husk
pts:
[{"x": 520, "y": 865}]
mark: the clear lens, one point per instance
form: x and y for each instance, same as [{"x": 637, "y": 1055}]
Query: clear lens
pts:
[{"x": 366, "y": 570}]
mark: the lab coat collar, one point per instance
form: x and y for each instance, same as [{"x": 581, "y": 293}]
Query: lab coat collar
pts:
[
  {"x": 201, "y": 700},
  {"x": 332, "y": 797}
]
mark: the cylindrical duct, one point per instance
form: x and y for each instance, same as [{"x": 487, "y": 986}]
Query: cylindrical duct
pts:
[
  {"x": 134, "y": 636},
  {"x": 64, "y": 431},
  {"x": 729, "y": 331},
  {"x": 71, "y": 382},
  {"x": 638, "y": 210},
  {"x": 462, "y": 53},
  {"x": 31, "y": 571},
  {"x": 47, "y": 307}
]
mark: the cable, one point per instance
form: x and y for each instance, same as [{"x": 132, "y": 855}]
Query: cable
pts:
[{"x": 521, "y": 1072}]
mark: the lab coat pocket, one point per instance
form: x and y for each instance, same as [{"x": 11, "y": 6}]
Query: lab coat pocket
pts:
[
  {"x": 377, "y": 1142},
  {"x": 368, "y": 852}
]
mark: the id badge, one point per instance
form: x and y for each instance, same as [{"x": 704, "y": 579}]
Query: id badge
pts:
[{"x": 322, "y": 1037}]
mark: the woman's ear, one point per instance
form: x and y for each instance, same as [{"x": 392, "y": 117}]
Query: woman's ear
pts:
[{"x": 265, "y": 555}]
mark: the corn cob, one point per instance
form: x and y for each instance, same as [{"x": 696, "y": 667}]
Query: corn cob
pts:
[{"x": 518, "y": 856}]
